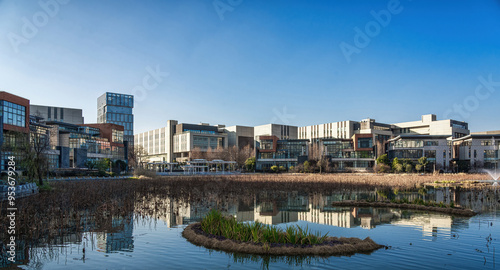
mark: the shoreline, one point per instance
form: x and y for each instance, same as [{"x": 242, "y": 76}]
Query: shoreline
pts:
[{"x": 348, "y": 246}]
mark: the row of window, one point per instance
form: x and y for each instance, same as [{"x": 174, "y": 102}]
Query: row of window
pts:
[
  {"x": 13, "y": 114},
  {"x": 120, "y": 117},
  {"x": 120, "y": 100}
]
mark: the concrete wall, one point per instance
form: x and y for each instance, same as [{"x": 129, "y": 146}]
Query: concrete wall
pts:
[
  {"x": 343, "y": 129},
  {"x": 280, "y": 131},
  {"x": 239, "y": 136},
  {"x": 70, "y": 115}
]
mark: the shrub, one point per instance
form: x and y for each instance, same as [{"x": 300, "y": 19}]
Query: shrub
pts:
[
  {"x": 250, "y": 164},
  {"x": 382, "y": 168},
  {"x": 419, "y": 167},
  {"x": 398, "y": 168},
  {"x": 383, "y": 159},
  {"x": 409, "y": 168},
  {"x": 274, "y": 168}
]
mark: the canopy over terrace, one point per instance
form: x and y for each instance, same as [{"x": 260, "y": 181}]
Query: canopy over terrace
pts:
[
  {"x": 161, "y": 166},
  {"x": 203, "y": 166}
]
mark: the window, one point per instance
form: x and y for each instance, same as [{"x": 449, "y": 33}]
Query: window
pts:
[
  {"x": 431, "y": 143},
  {"x": 62, "y": 114}
]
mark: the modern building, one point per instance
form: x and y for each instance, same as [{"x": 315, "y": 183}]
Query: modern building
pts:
[
  {"x": 356, "y": 145},
  {"x": 117, "y": 109},
  {"x": 59, "y": 114},
  {"x": 437, "y": 149},
  {"x": 78, "y": 144},
  {"x": 14, "y": 118},
  {"x": 271, "y": 151},
  {"x": 176, "y": 142},
  {"x": 349, "y": 154}
]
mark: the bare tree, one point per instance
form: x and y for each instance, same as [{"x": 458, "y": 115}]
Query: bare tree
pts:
[
  {"x": 33, "y": 147},
  {"x": 196, "y": 153},
  {"x": 137, "y": 156},
  {"x": 244, "y": 154}
]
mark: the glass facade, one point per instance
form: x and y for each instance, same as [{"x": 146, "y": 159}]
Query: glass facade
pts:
[
  {"x": 407, "y": 153},
  {"x": 11, "y": 140},
  {"x": 365, "y": 142},
  {"x": 117, "y": 109},
  {"x": 204, "y": 143},
  {"x": 335, "y": 149},
  {"x": 291, "y": 149},
  {"x": 13, "y": 114}
]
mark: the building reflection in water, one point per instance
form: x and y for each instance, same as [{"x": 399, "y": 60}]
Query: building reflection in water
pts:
[
  {"x": 120, "y": 239},
  {"x": 284, "y": 207}
]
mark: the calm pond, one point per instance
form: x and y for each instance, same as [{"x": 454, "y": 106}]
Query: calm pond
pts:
[{"x": 150, "y": 236}]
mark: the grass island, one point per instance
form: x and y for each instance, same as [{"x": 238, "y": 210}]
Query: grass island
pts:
[{"x": 216, "y": 231}]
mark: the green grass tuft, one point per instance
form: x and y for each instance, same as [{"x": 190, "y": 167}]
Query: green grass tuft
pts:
[{"x": 217, "y": 224}]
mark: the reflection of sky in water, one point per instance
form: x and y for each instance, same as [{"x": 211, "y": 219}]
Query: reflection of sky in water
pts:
[{"x": 155, "y": 241}]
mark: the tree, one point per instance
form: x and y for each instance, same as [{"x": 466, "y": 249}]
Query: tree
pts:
[
  {"x": 250, "y": 164},
  {"x": 119, "y": 166},
  {"x": 32, "y": 148},
  {"x": 244, "y": 154},
  {"x": 137, "y": 156},
  {"x": 383, "y": 159},
  {"x": 423, "y": 161},
  {"x": 196, "y": 153},
  {"x": 307, "y": 166}
]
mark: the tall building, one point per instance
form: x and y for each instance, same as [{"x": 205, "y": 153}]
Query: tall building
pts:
[
  {"x": 65, "y": 115},
  {"x": 117, "y": 108}
]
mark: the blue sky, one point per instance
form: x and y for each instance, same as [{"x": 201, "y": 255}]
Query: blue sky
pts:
[{"x": 258, "y": 61}]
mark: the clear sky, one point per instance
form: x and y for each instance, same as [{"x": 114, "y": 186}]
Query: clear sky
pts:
[{"x": 255, "y": 62}]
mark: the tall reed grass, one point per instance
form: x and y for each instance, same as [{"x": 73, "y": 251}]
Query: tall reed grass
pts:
[{"x": 216, "y": 224}]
